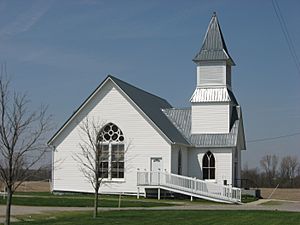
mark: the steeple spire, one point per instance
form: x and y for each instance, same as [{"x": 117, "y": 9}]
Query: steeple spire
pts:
[
  {"x": 213, "y": 47},
  {"x": 213, "y": 101}
]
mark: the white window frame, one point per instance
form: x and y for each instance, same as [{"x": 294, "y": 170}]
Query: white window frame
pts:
[{"x": 110, "y": 143}]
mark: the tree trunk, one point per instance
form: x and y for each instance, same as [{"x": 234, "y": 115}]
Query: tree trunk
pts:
[
  {"x": 8, "y": 206},
  {"x": 96, "y": 203}
]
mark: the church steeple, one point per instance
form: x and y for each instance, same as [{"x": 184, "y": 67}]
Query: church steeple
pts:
[
  {"x": 213, "y": 47},
  {"x": 213, "y": 100}
]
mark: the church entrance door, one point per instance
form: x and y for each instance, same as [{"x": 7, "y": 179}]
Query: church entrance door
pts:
[{"x": 156, "y": 166}]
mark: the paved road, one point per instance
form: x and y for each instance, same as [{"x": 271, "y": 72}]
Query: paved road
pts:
[
  {"x": 279, "y": 205},
  {"x": 293, "y": 206}
]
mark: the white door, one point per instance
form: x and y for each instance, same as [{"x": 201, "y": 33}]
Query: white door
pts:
[{"x": 156, "y": 166}]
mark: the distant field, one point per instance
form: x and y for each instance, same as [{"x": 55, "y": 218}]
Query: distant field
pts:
[
  {"x": 33, "y": 186},
  {"x": 292, "y": 194}
]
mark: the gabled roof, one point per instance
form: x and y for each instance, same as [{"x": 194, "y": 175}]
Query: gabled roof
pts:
[
  {"x": 181, "y": 118},
  {"x": 213, "y": 47},
  {"x": 151, "y": 105}
]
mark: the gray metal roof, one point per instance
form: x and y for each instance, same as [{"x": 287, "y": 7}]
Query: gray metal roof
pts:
[
  {"x": 181, "y": 118},
  {"x": 212, "y": 95},
  {"x": 152, "y": 106},
  {"x": 213, "y": 47}
]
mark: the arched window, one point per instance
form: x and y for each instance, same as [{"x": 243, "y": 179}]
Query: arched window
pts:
[
  {"x": 111, "y": 152},
  {"x": 208, "y": 166},
  {"x": 179, "y": 162},
  {"x": 111, "y": 132}
]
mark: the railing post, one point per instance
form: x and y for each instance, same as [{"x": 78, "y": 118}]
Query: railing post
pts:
[
  {"x": 158, "y": 177},
  {"x": 227, "y": 192},
  {"x": 167, "y": 181},
  {"x": 137, "y": 176},
  {"x": 147, "y": 178},
  {"x": 158, "y": 194}
]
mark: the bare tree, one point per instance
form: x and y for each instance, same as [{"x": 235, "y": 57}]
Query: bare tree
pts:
[
  {"x": 251, "y": 177},
  {"x": 297, "y": 178},
  {"x": 22, "y": 139},
  {"x": 269, "y": 165},
  {"x": 288, "y": 168},
  {"x": 287, "y": 172},
  {"x": 94, "y": 156},
  {"x": 293, "y": 166}
]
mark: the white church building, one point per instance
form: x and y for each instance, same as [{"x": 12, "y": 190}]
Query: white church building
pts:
[{"x": 194, "y": 151}]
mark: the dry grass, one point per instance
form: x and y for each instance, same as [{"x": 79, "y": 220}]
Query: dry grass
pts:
[
  {"x": 33, "y": 186},
  {"x": 292, "y": 194}
]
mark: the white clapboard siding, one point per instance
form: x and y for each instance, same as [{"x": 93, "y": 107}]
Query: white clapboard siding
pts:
[
  {"x": 211, "y": 74},
  {"x": 109, "y": 105},
  {"x": 210, "y": 118},
  {"x": 223, "y": 157},
  {"x": 184, "y": 159}
]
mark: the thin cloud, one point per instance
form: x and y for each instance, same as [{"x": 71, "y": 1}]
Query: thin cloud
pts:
[
  {"x": 56, "y": 58},
  {"x": 27, "y": 19}
]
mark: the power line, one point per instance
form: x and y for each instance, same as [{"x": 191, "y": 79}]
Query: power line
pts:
[
  {"x": 295, "y": 57},
  {"x": 273, "y": 138},
  {"x": 286, "y": 33}
]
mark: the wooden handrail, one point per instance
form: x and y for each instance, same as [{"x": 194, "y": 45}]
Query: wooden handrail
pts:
[{"x": 189, "y": 185}]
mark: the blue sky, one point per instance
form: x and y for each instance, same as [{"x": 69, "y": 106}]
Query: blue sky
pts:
[{"x": 59, "y": 51}]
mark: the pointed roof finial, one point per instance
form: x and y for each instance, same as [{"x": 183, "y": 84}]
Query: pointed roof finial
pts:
[{"x": 213, "y": 47}]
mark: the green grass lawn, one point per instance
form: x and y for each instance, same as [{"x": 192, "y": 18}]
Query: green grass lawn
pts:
[
  {"x": 86, "y": 200},
  {"x": 80, "y": 200},
  {"x": 165, "y": 218}
]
